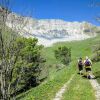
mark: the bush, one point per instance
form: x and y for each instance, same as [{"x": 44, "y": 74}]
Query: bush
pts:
[
  {"x": 96, "y": 56},
  {"x": 96, "y": 53},
  {"x": 28, "y": 66},
  {"x": 63, "y": 54}
]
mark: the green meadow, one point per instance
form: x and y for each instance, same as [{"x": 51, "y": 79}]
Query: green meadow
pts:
[{"x": 79, "y": 88}]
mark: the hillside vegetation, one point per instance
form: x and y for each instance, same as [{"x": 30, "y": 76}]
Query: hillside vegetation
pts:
[
  {"x": 78, "y": 90},
  {"x": 21, "y": 63},
  {"x": 28, "y": 71}
]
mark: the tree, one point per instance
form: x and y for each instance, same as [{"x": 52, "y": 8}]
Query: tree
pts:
[
  {"x": 15, "y": 55},
  {"x": 28, "y": 66},
  {"x": 63, "y": 54}
]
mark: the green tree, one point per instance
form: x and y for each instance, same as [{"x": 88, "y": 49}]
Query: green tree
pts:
[
  {"x": 18, "y": 57},
  {"x": 63, "y": 54},
  {"x": 29, "y": 64}
]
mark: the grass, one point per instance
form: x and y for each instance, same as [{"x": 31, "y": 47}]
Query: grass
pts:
[
  {"x": 80, "y": 88},
  {"x": 48, "y": 90},
  {"x": 96, "y": 71}
]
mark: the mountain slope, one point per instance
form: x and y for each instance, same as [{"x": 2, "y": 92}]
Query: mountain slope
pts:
[
  {"x": 48, "y": 90},
  {"x": 49, "y": 31}
]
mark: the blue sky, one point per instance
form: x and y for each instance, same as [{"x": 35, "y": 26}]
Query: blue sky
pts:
[{"x": 68, "y": 10}]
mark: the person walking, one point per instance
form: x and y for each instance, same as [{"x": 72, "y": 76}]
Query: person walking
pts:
[
  {"x": 80, "y": 65},
  {"x": 88, "y": 64}
]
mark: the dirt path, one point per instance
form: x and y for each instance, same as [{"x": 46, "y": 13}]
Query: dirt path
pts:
[
  {"x": 96, "y": 87},
  {"x": 62, "y": 90}
]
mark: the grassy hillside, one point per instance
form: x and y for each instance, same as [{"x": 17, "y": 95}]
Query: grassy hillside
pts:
[
  {"x": 78, "y": 90},
  {"x": 96, "y": 71}
]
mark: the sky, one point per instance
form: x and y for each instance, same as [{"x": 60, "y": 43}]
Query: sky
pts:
[{"x": 68, "y": 10}]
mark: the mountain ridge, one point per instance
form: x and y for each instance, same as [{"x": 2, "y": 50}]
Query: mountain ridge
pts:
[{"x": 49, "y": 31}]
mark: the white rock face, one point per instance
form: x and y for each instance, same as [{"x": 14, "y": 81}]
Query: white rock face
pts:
[{"x": 50, "y": 31}]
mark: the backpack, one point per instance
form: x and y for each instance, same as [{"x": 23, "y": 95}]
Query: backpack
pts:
[
  {"x": 87, "y": 63},
  {"x": 80, "y": 63}
]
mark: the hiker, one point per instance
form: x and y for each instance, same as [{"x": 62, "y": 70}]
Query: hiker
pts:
[
  {"x": 80, "y": 65},
  {"x": 88, "y": 64}
]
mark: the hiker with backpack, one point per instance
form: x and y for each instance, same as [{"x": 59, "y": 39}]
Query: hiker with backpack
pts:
[
  {"x": 80, "y": 65},
  {"x": 88, "y": 64}
]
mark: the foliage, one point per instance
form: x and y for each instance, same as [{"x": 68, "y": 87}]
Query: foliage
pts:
[
  {"x": 63, "y": 54},
  {"x": 96, "y": 53},
  {"x": 29, "y": 63},
  {"x": 20, "y": 59},
  {"x": 27, "y": 66},
  {"x": 96, "y": 71},
  {"x": 57, "y": 79},
  {"x": 48, "y": 90}
]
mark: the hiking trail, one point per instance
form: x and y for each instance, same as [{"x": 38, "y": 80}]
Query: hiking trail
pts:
[
  {"x": 96, "y": 87},
  {"x": 59, "y": 94}
]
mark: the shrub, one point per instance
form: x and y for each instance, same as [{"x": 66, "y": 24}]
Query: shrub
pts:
[
  {"x": 96, "y": 53},
  {"x": 96, "y": 56},
  {"x": 63, "y": 54}
]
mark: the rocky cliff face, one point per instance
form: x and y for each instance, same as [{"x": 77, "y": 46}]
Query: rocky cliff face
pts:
[{"x": 49, "y": 31}]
